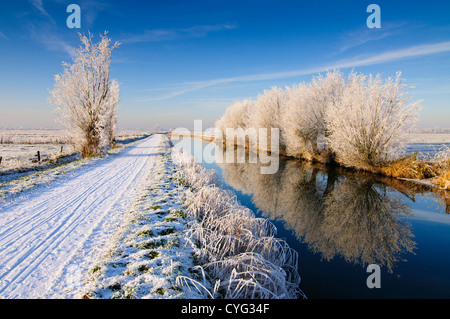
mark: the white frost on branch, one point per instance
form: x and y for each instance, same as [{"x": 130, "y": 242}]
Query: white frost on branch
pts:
[
  {"x": 85, "y": 97},
  {"x": 372, "y": 121}
]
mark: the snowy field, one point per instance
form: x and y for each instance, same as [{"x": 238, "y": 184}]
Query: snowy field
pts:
[
  {"x": 431, "y": 138},
  {"x": 18, "y": 148},
  {"x": 38, "y": 136},
  {"x": 18, "y": 156}
]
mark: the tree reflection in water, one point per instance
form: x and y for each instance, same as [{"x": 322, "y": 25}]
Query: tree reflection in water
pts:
[{"x": 360, "y": 218}]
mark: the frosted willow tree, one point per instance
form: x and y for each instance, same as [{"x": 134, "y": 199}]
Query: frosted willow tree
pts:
[
  {"x": 266, "y": 112},
  {"x": 85, "y": 97},
  {"x": 303, "y": 116},
  {"x": 236, "y": 116},
  {"x": 371, "y": 122}
]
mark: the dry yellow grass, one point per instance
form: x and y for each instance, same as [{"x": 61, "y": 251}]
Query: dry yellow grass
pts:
[
  {"x": 410, "y": 169},
  {"x": 444, "y": 180}
]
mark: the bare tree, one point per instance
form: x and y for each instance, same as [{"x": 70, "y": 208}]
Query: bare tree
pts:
[{"x": 85, "y": 97}]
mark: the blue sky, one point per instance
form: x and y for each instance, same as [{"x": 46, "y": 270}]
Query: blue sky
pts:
[{"x": 185, "y": 60}]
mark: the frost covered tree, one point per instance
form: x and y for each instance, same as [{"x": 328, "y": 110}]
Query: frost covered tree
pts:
[
  {"x": 371, "y": 122},
  {"x": 235, "y": 116},
  {"x": 323, "y": 93},
  {"x": 86, "y": 98},
  {"x": 267, "y": 109},
  {"x": 266, "y": 112},
  {"x": 110, "y": 123},
  {"x": 303, "y": 117},
  {"x": 294, "y": 135}
]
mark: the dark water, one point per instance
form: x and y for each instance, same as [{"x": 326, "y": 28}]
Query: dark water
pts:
[{"x": 340, "y": 222}]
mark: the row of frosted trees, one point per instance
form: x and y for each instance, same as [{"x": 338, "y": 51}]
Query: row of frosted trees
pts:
[
  {"x": 85, "y": 97},
  {"x": 359, "y": 121}
]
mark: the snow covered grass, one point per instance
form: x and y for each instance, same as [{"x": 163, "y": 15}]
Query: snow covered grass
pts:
[
  {"x": 149, "y": 252},
  {"x": 237, "y": 254},
  {"x": 434, "y": 168},
  {"x": 19, "y": 148},
  {"x": 22, "y": 156},
  {"x": 431, "y": 138},
  {"x": 125, "y": 136}
]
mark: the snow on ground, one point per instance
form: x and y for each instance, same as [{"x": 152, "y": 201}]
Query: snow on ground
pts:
[
  {"x": 149, "y": 251},
  {"x": 51, "y": 236},
  {"x": 16, "y": 156}
]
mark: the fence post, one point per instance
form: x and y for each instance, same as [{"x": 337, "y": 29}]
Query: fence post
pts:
[
  {"x": 1, "y": 160},
  {"x": 39, "y": 156}
]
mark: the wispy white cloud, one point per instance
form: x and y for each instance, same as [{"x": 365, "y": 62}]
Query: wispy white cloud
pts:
[
  {"x": 386, "y": 57},
  {"x": 391, "y": 56},
  {"x": 38, "y": 4},
  {"x": 3, "y": 36},
  {"x": 50, "y": 38},
  {"x": 157, "y": 35},
  {"x": 356, "y": 38},
  {"x": 91, "y": 10}
]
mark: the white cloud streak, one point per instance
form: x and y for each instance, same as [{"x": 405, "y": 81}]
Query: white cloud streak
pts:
[
  {"x": 386, "y": 57},
  {"x": 40, "y": 7},
  {"x": 365, "y": 35},
  {"x": 158, "y": 35},
  {"x": 50, "y": 38}
]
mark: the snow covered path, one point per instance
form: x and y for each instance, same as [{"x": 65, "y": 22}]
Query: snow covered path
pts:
[{"x": 60, "y": 228}]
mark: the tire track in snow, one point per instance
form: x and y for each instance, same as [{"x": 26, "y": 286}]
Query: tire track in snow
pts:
[
  {"x": 43, "y": 233},
  {"x": 41, "y": 211}
]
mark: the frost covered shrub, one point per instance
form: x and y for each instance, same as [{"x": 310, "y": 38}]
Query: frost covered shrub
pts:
[
  {"x": 371, "y": 122},
  {"x": 250, "y": 116}
]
